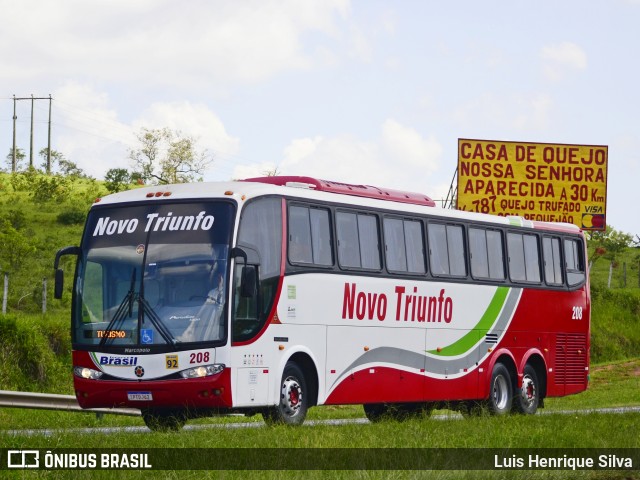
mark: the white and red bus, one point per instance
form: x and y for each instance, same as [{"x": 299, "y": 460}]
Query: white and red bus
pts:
[{"x": 272, "y": 295}]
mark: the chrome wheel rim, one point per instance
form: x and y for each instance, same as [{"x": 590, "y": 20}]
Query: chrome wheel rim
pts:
[
  {"x": 500, "y": 392},
  {"x": 291, "y": 396}
]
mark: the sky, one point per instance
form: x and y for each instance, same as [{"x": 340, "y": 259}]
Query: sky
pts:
[{"x": 358, "y": 91}]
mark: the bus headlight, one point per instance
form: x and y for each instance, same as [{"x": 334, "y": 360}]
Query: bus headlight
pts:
[
  {"x": 88, "y": 373},
  {"x": 203, "y": 371}
]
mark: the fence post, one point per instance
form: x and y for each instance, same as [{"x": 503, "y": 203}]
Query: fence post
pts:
[
  {"x": 624, "y": 275},
  {"x": 44, "y": 295},
  {"x": 5, "y": 293},
  {"x": 610, "y": 274}
]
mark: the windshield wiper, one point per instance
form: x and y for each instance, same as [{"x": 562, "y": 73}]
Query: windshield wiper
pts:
[
  {"x": 156, "y": 321},
  {"x": 125, "y": 307}
]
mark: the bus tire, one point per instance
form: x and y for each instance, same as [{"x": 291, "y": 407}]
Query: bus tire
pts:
[
  {"x": 375, "y": 412},
  {"x": 527, "y": 397},
  {"x": 163, "y": 421},
  {"x": 294, "y": 401},
  {"x": 500, "y": 391}
]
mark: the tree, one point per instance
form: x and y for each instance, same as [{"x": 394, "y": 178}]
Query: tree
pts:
[
  {"x": 20, "y": 156},
  {"x": 117, "y": 179},
  {"x": 60, "y": 164},
  {"x": 167, "y": 156},
  {"x": 608, "y": 244}
]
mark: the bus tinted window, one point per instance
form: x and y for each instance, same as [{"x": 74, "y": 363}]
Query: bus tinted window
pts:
[
  {"x": 414, "y": 241},
  {"x": 495, "y": 253},
  {"x": 486, "y": 254},
  {"x": 446, "y": 250},
  {"x": 348, "y": 245},
  {"x": 404, "y": 245},
  {"x": 395, "y": 249},
  {"x": 552, "y": 263},
  {"x": 358, "y": 244},
  {"x": 369, "y": 245},
  {"x": 573, "y": 259},
  {"x": 524, "y": 264},
  {"x": 309, "y": 236},
  {"x": 321, "y": 236},
  {"x": 299, "y": 235}
]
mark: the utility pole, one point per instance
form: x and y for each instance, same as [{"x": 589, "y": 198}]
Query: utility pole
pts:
[
  {"x": 13, "y": 156},
  {"x": 49, "y": 141},
  {"x": 31, "y": 137}
]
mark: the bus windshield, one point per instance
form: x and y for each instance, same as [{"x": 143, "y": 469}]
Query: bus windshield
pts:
[{"x": 153, "y": 275}]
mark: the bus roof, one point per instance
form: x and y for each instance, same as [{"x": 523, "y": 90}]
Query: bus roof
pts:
[
  {"x": 308, "y": 187},
  {"x": 367, "y": 191}
]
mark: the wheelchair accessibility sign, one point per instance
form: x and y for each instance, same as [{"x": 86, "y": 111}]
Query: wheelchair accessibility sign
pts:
[{"x": 146, "y": 336}]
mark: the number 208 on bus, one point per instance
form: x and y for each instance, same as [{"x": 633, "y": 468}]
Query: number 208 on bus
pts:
[{"x": 273, "y": 295}]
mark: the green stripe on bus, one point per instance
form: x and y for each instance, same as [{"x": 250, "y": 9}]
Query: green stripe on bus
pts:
[{"x": 488, "y": 319}]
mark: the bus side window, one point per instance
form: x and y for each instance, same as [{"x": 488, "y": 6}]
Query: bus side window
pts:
[
  {"x": 524, "y": 257},
  {"x": 552, "y": 261},
  {"x": 348, "y": 244},
  {"x": 310, "y": 236},
  {"x": 446, "y": 250},
  {"x": 574, "y": 261},
  {"x": 358, "y": 240},
  {"x": 404, "y": 245},
  {"x": 299, "y": 235},
  {"x": 321, "y": 236}
]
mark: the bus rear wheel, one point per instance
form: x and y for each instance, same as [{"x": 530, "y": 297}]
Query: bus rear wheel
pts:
[
  {"x": 500, "y": 391},
  {"x": 163, "y": 420},
  {"x": 293, "y": 405},
  {"x": 527, "y": 397}
]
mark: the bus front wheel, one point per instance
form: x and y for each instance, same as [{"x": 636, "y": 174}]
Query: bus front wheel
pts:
[
  {"x": 293, "y": 404},
  {"x": 162, "y": 420}
]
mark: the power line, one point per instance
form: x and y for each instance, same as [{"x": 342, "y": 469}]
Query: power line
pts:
[{"x": 13, "y": 150}]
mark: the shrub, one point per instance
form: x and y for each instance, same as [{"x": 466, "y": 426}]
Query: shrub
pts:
[{"x": 72, "y": 216}]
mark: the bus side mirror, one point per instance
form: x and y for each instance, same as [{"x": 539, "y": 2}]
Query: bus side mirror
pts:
[
  {"x": 249, "y": 282},
  {"x": 59, "y": 284},
  {"x": 249, "y": 276},
  {"x": 59, "y": 279}
]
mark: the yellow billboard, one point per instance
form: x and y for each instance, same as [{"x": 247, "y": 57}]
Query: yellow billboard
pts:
[{"x": 538, "y": 181}]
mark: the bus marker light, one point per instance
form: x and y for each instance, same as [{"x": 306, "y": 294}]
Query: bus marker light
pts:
[
  {"x": 546, "y": 350},
  {"x": 228, "y": 192},
  {"x": 97, "y": 200},
  {"x": 150, "y": 194},
  {"x": 333, "y": 371},
  {"x": 243, "y": 197},
  {"x": 366, "y": 349},
  {"x": 280, "y": 347},
  {"x": 158, "y": 194},
  {"x": 439, "y": 349},
  {"x": 217, "y": 391},
  {"x": 490, "y": 350},
  {"x": 166, "y": 194}
]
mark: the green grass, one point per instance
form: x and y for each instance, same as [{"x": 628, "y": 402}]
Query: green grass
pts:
[{"x": 596, "y": 431}]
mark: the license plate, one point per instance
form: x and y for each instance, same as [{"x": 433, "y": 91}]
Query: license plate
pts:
[{"x": 139, "y": 396}]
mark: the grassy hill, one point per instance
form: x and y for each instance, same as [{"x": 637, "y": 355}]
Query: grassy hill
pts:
[{"x": 39, "y": 215}]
